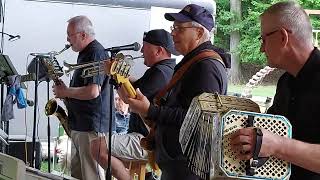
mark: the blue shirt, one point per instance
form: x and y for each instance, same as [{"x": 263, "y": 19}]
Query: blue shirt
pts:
[
  {"x": 122, "y": 122},
  {"x": 93, "y": 114}
]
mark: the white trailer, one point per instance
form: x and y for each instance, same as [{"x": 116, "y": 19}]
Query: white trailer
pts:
[{"x": 42, "y": 27}]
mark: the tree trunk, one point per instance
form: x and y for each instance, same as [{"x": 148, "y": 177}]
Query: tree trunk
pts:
[{"x": 235, "y": 72}]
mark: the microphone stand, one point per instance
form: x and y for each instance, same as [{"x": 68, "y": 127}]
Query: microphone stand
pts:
[
  {"x": 52, "y": 54},
  {"x": 6, "y": 128},
  {"x": 48, "y": 133},
  {"x": 36, "y": 83},
  {"x": 3, "y": 147},
  {"x": 2, "y": 96},
  {"x": 112, "y": 83}
]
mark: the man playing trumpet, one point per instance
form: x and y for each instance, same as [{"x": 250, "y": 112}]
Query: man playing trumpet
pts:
[{"x": 157, "y": 49}]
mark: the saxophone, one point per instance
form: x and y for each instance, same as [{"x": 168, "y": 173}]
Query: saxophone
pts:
[
  {"x": 52, "y": 108},
  {"x": 55, "y": 71}
]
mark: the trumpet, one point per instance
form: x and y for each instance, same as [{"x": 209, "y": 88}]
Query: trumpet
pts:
[{"x": 94, "y": 68}]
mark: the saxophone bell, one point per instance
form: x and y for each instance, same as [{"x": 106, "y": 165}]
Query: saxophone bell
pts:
[{"x": 52, "y": 108}]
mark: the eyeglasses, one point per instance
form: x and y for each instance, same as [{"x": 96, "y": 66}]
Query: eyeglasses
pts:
[
  {"x": 70, "y": 35},
  {"x": 180, "y": 28},
  {"x": 262, "y": 38}
]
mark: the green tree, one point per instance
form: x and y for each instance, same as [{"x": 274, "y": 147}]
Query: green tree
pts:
[{"x": 249, "y": 26}]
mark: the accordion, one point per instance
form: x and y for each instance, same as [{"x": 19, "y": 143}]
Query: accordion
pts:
[{"x": 206, "y": 131}]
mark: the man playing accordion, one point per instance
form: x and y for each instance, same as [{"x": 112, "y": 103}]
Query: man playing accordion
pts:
[{"x": 286, "y": 35}]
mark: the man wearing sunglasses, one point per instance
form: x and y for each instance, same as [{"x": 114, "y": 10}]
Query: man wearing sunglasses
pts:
[{"x": 286, "y": 35}]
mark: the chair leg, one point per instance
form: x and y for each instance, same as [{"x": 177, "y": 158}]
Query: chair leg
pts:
[
  {"x": 137, "y": 169},
  {"x": 142, "y": 171},
  {"x": 132, "y": 169}
]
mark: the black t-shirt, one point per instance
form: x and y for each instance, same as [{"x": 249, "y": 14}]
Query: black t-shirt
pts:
[
  {"x": 153, "y": 80},
  {"x": 297, "y": 98},
  {"x": 94, "y": 114}
]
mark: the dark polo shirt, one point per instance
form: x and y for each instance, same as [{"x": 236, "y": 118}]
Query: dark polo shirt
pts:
[
  {"x": 297, "y": 98},
  {"x": 153, "y": 80},
  {"x": 93, "y": 114}
]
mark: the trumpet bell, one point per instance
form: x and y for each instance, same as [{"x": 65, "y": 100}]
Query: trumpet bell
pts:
[{"x": 94, "y": 68}]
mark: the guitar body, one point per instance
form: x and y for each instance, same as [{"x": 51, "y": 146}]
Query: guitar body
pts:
[{"x": 148, "y": 142}]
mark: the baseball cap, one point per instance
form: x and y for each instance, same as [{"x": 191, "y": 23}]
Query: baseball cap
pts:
[
  {"x": 193, "y": 12},
  {"x": 160, "y": 37}
]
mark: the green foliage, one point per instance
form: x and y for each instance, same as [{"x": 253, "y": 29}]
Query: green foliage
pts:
[
  {"x": 314, "y": 5},
  {"x": 249, "y": 26}
]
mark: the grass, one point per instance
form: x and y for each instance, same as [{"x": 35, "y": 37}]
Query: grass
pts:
[
  {"x": 44, "y": 166},
  {"x": 264, "y": 91}
]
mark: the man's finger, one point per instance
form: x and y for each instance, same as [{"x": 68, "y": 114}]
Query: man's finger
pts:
[
  {"x": 247, "y": 148},
  {"x": 244, "y": 156},
  {"x": 107, "y": 66},
  {"x": 122, "y": 94},
  {"x": 140, "y": 96},
  {"x": 243, "y": 131},
  {"x": 242, "y": 139}
]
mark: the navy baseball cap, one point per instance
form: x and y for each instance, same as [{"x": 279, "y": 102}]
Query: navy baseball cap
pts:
[
  {"x": 192, "y": 12},
  {"x": 160, "y": 37}
]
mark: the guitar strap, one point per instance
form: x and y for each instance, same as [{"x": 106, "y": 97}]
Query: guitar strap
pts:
[
  {"x": 179, "y": 74},
  {"x": 148, "y": 142}
]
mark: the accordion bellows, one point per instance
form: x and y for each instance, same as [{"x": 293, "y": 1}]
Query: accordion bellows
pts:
[{"x": 205, "y": 135}]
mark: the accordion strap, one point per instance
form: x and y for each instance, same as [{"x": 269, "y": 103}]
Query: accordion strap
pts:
[
  {"x": 180, "y": 72},
  {"x": 257, "y": 148},
  {"x": 256, "y": 160}
]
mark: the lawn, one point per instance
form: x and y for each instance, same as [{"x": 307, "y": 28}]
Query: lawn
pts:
[
  {"x": 264, "y": 91},
  {"x": 44, "y": 166}
]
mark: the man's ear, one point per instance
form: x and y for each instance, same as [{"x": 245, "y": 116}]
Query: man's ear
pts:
[
  {"x": 284, "y": 36},
  {"x": 83, "y": 35},
  {"x": 200, "y": 32},
  {"x": 160, "y": 49}
]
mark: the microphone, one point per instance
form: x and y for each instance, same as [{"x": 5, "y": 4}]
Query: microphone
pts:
[
  {"x": 66, "y": 47},
  {"x": 14, "y": 38},
  {"x": 131, "y": 47},
  {"x": 30, "y": 102}
]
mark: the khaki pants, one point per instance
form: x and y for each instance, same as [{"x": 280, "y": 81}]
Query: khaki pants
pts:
[
  {"x": 83, "y": 166},
  {"x": 127, "y": 146}
]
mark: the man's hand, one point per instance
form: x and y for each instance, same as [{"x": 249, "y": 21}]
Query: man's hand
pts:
[
  {"x": 61, "y": 90},
  {"x": 139, "y": 105},
  {"x": 243, "y": 143},
  {"x": 123, "y": 94},
  {"x": 107, "y": 66}
]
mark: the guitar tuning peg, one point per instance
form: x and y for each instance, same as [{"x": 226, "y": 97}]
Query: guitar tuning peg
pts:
[{"x": 119, "y": 56}]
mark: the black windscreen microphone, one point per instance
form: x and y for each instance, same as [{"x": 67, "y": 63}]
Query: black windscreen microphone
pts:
[
  {"x": 131, "y": 47},
  {"x": 14, "y": 38},
  {"x": 30, "y": 102}
]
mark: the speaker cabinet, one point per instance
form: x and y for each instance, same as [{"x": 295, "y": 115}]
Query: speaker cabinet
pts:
[{"x": 18, "y": 149}]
